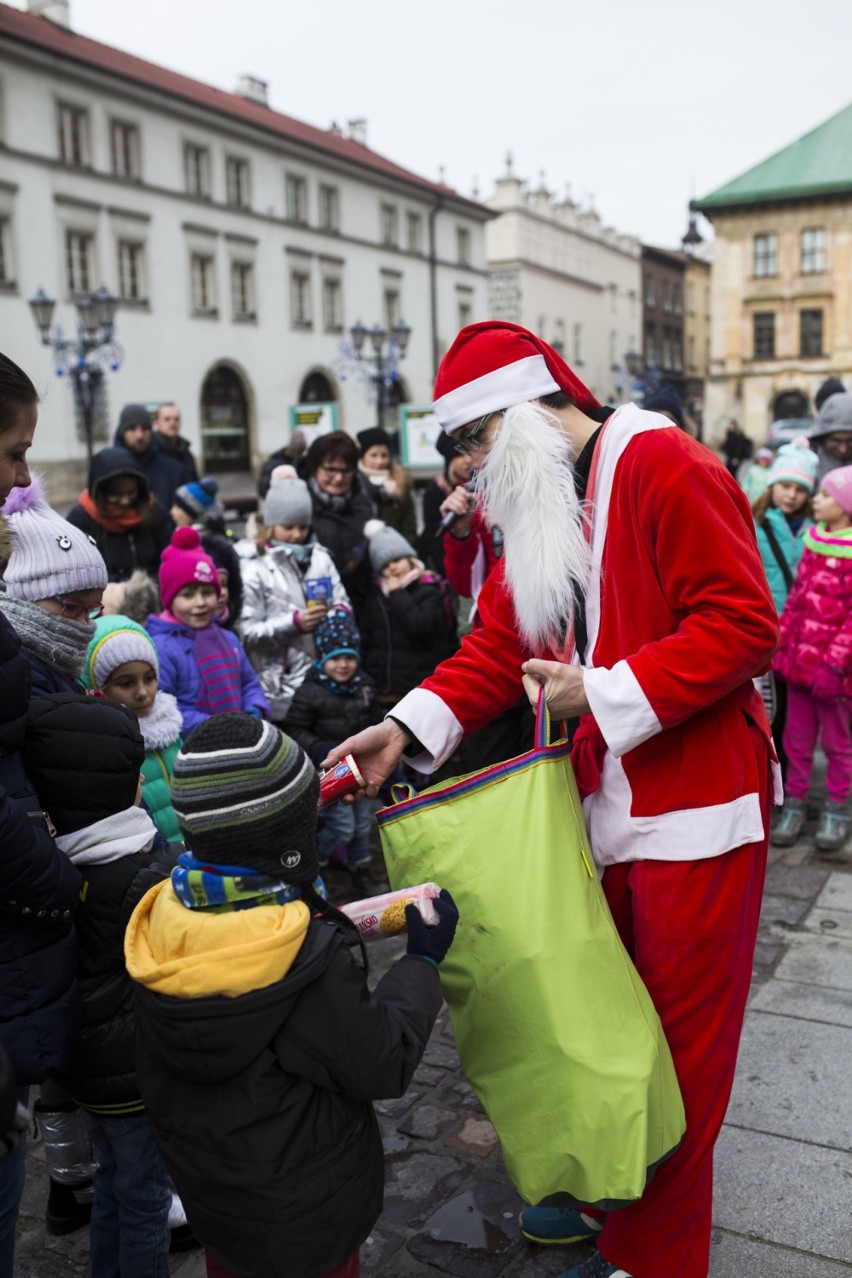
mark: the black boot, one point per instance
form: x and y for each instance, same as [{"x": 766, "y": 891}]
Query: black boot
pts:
[{"x": 64, "y": 1212}]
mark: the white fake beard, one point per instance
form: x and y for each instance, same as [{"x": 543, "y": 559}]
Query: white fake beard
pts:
[{"x": 526, "y": 487}]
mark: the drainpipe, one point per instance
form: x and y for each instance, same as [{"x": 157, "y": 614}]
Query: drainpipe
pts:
[{"x": 433, "y": 283}]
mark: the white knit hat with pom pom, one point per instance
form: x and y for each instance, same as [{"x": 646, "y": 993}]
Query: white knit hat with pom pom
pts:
[{"x": 49, "y": 556}]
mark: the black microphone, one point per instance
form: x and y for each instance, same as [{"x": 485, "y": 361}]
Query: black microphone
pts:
[{"x": 450, "y": 518}]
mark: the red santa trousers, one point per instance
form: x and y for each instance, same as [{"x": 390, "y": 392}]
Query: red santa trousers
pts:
[
  {"x": 350, "y": 1268},
  {"x": 690, "y": 927}
]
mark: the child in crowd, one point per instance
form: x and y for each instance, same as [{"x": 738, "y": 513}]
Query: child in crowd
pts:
[
  {"x": 388, "y": 483},
  {"x": 335, "y": 701},
  {"x": 815, "y": 659},
  {"x": 55, "y": 579},
  {"x": 782, "y": 516},
  {"x": 260, "y": 1044},
  {"x": 289, "y": 581},
  {"x": 119, "y": 511},
  {"x": 757, "y": 480},
  {"x": 409, "y": 617},
  {"x": 197, "y": 505},
  {"x": 201, "y": 664},
  {"x": 84, "y": 755},
  {"x": 122, "y": 663}
]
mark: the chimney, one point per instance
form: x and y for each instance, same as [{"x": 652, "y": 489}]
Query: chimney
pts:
[
  {"x": 358, "y": 131},
  {"x": 58, "y": 11},
  {"x": 253, "y": 89}
]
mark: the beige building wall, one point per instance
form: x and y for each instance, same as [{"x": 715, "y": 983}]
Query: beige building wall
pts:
[{"x": 740, "y": 385}]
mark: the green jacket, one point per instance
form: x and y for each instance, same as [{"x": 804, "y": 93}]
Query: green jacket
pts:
[{"x": 156, "y": 780}]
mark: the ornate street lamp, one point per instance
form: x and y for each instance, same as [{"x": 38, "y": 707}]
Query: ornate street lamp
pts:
[
  {"x": 378, "y": 368},
  {"x": 84, "y": 357}
]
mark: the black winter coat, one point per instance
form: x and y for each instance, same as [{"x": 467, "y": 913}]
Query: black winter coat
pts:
[
  {"x": 342, "y": 534},
  {"x": 123, "y": 552},
  {"x": 102, "y": 1072},
  {"x": 261, "y": 1103},
  {"x": 165, "y": 475},
  {"x": 405, "y": 634},
  {"x": 179, "y": 450},
  {"x": 39, "y": 892},
  {"x": 320, "y": 718}
]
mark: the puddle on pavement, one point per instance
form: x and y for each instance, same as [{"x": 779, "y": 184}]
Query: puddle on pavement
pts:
[{"x": 461, "y": 1221}]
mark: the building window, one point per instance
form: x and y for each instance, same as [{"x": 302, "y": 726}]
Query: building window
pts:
[
  {"x": 329, "y": 208},
  {"x": 332, "y": 306},
  {"x": 810, "y": 333},
  {"x": 578, "y": 343},
  {"x": 124, "y": 149},
  {"x": 677, "y": 297},
  {"x": 391, "y": 308},
  {"x": 7, "y": 274},
  {"x": 667, "y": 295},
  {"x": 300, "y": 299},
  {"x": 462, "y": 246},
  {"x": 79, "y": 252},
  {"x": 297, "y": 198},
  {"x": 813, "y": 250},
  {"x": 414, "y": 232},
  {"x": 196, "y": 167},
  {"x": 73, "y": 123},
  {"x": 131, "y": 271},
  {"x": 650, "y": 292},
  {"x": 237, "y": 182},
  {"x": 388, "y": 226},
  {"x": 242, "y": 290},
  {"x": 765, "y": 255},
  {"x": 203, "y": 284},
  {"x": 465, "y": 314},
  {"x": 764, "y": 335}
]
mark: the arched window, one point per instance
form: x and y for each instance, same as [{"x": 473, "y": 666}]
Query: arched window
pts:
[
  {"x": 224, "y": 421},
  {"x": 316, "y": 389},
  {"x": 790, "y": 404}
]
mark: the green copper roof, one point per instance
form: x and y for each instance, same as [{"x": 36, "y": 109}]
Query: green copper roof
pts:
[{"x": 820, "y": 163}]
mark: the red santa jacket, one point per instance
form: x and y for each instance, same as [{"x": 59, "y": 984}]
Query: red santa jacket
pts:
[{"x": 680, "y": 620}]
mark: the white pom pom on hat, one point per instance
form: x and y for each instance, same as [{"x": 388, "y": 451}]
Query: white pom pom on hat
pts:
[{"x": 386, "y": 544}]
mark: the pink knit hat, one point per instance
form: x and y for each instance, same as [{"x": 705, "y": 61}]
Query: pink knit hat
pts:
[
  {"x": 838, "y": 484},
  {"x": 183, "y": 563}
]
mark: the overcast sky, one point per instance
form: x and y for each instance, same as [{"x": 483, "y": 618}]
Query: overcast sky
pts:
[{"x": 636, "y": 105}]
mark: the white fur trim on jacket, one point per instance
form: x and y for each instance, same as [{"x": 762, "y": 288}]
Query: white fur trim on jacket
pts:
[
  {"x": 624, "y": 714},
  {"x": 434, "y": 725}
]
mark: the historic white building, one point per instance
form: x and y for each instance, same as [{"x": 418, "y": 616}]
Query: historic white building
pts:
[
  {"x": 243, "y": 244},
  {"x": 554, "y": 267}
]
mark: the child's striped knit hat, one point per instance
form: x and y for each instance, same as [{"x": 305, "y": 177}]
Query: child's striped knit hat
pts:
[
  {"x": 117, "y": 640},
  {"x": 246, "y": 795}
]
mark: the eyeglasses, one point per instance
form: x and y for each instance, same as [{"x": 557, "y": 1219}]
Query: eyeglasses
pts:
[
  {"x": 337, "y": 470},
  {"x": 469, "y": 441},
  {"x": 74, "y": 611}
]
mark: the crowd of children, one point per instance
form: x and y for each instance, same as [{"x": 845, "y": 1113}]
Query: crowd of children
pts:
[{"x": 168, "y": 750}]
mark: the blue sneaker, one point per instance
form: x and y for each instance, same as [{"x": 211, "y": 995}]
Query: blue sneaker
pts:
[
  {"x": 558, "y": 1225},
  {"x": 595, "y": 1267}
]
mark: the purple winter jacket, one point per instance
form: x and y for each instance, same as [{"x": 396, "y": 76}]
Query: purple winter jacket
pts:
[
  {"x": 816, "y": 624},
  {"x": 179, "y": 673}
]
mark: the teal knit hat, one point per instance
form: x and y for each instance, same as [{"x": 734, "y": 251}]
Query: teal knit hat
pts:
[{"x": 117, "y": 640}]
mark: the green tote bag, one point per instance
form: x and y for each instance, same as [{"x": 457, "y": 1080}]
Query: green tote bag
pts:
[{"x": 555, "y": 1030}]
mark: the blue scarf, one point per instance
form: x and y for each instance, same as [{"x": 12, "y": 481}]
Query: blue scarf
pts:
[{"x": 221, "y": 888}]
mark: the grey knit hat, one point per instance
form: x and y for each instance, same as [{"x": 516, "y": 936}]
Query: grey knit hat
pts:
[
  {"x": 386, "y": 544},
  {"x": 287, "y": 502},
  {"x": 245, "y": 794},
  {"x": 49, "y": 555}
]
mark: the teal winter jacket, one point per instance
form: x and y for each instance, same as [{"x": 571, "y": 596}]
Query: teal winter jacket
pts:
[{"x": 790, "y": 546}]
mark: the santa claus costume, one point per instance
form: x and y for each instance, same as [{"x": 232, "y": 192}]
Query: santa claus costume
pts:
[{"x": 675, "y": 761}]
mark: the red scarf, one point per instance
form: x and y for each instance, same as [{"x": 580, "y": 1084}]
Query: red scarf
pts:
[{"x": 123, "y": 523}]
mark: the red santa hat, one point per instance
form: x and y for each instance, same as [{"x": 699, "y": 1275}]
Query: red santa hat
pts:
[{"x": 495, "y": 365}]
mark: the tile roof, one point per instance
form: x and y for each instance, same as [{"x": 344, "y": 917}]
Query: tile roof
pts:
[
  {"x": 28, "y": 28},
  {"x": 817, "y": 164}
]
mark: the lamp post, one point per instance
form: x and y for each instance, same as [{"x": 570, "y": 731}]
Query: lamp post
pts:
[
  {"x": 84, "y": 357},
  {"x": 379, "y": 366}
]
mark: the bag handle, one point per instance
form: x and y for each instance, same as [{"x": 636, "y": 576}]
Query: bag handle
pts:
[{"x": 543, "y": 723}]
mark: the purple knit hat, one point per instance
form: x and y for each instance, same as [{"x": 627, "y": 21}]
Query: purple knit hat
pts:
[
  {"x": 49, "y": 555},
  {"x": 838, "y": 484}
]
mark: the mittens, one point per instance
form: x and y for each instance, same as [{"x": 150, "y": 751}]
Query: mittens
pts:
[{"x": 432, "y": 943}]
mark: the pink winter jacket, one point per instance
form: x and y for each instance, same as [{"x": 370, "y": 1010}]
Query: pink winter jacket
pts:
[{"x": 816, "y": 624}]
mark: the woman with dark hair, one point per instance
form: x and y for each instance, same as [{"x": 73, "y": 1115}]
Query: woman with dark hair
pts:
[
  {"x": 342, "y": 505},
  {"x": 40, "y": 886},
  {"x": 118, "y": 510}
]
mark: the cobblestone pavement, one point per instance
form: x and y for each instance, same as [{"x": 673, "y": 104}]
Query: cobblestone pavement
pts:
[{"x": 449, "y": 1207}]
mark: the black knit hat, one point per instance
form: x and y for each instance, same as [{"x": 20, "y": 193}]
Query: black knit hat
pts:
[
  {"x": 373, "y": 437},
  {"x": 831, "y": 386},
  {"x": 245, "y": 794},
  {"x": 84, "y": 756}
]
